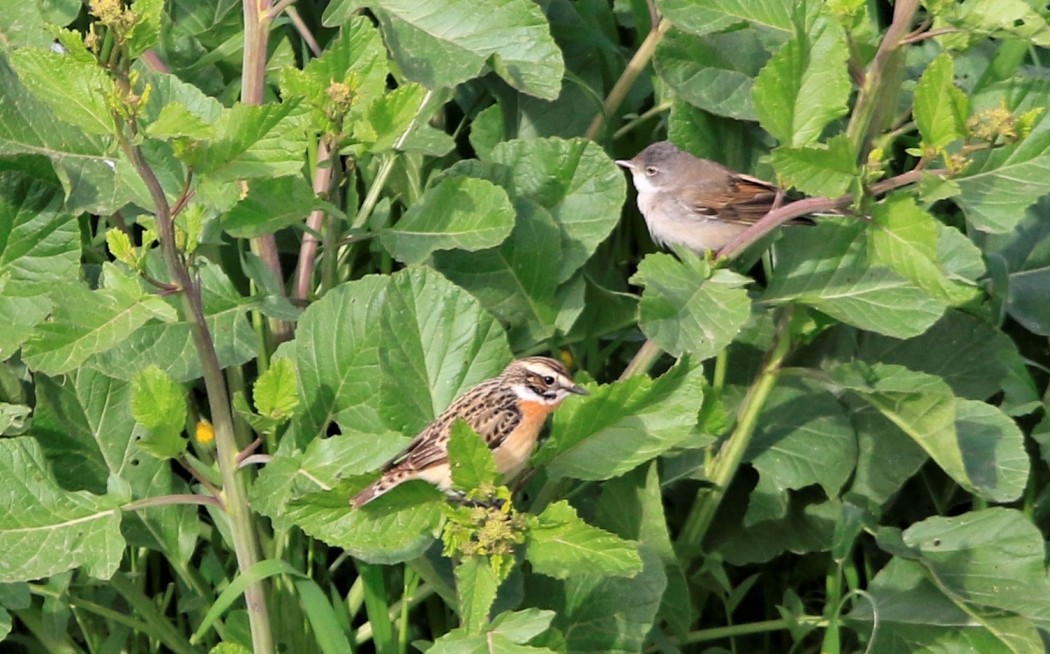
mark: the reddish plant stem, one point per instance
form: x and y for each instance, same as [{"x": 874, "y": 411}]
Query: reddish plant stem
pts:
[
  {"x": 314, "y": 223},
  {"x": 808, "y": 206}
]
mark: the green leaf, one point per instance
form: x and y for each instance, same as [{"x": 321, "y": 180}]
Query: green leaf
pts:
[
  {"x": 322, "y": 465},
  {"x": 1003, "y": 182},
  {"x": 436, "y": 341},
  {"x": 805, "y": 85},
  {"x": 272, "y": 204},
  {"x": 603, "y": 613},
  {"x": 561, "y": 545},
  {"x": 276, "y": 392},
  {"x": 251, "y": 141},
  {"x": 827, "y": 268},
  {"x": 905, "y": 238},
  {"x": 86, "y": 322},
  {"x": 390, "y": 115},
  {"x": 476, "y": 585},
  {"x": 576, "y": 181},
  {"x": 623, "y": 424},
  {"x": 357, "y": 58},
  {"x": 974, "y": 443},
  {"x": 1000, "y": 19},
  {"x": 337, "y": 358},
  {"x": 687, "y": 307},
  {"x": 94, "y": 176},
  {"x": 804, "y": 438},
  {"x": 827, "y": 170},
  {"x": 73, "y": 86},
  {"x": 159, "y": 405},
  {"x": 939, "y": 107},
  {"x": 45, "y": 530},
  {"x": 169, "y": 344},
  {"x": 709, "y": 16},
  {"x": 976, "y": 579},
  {"x": 470, "y": 459},
  {"x": 511, "y": 280},
  {"x": 451, "y": 41},
  {"x": 631, "y": 506},
  {"x": 39, "y": 246},
  {"x": 713, "y": 72},
  {"x": 507, "y": 633},
  {"x": 397, "y": 527},
  {"x": 461, "y": 213}
]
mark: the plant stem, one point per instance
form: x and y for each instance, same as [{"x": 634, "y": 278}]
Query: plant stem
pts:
[
  {"x": 257, "y": 19},
  {"x": 719, "y": 633},
  {"x": 314, "y": 222},
  {"x": 731, "y": 454},
  {"x": 808, "y": 206},
  {"x": 875, "y": 94},
  {"x": 642, "y": 361},
  {"x": 234, "y": 488},
  {"x": 623, "y": 85}
]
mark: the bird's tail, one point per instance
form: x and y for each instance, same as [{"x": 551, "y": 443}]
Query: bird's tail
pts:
[{"x": 370, "y": 492}]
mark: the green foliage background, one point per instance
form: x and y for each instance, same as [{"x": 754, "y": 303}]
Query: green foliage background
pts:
[{"x": 247, "y": 251}]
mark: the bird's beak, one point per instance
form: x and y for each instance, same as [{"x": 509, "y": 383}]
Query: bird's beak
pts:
[
  {"x": 626, "y": 163},
  {"x": 579, "y": 390}
]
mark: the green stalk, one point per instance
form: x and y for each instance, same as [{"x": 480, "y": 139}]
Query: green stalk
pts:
[
  {"x": 234, "y": 489},
  {"x": 719, "y": 633},
  {"x": 729, "y": 457}
]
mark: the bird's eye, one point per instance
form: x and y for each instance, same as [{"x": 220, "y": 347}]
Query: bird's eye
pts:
[
  {"x": 548, "y": 380},
  {"x": 651, "y": 170}
]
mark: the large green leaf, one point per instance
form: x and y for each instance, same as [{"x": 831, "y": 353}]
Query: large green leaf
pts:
[
  {"x": 623, "y": 424},
  {"x": 713, "y": 72},
  {"x": 975, "y": 443},
  {"x": 45, "y": 530},
  {"x": 95, "y": 177},
  {"x": 436, "y": 342},
  {"x": 827, "y": 170},
  {"x": 72, "y": 84},
  {"x": 39, "y": 245},
  {"x": 805, "y": 85},
  {"x": 461, "y": 213},
  {"x": 631, "y": 506},
  {"x": 708, "y": 16},
  {"x": 601, "y": 613},
  {"x": 251, "y": 141},
  {"x": 444, "y": 43},
  {"x": 89, "y": 443},
  {"x": 272, "y": 204},
  {"x": 576, "y": 181},
  {"x": 688, "y": 307},
  {"x": 86, "y": 322},
  {"x": 828, "y": 268},
  {"x": 511, "y": 280},
  {"x": 337, "y": 358},
  {"x": 976, "y": 580},
  {"x": 905, "y": 238},
  {"x": 803, "y": 438},
  {"x": 561, "y": 545}
]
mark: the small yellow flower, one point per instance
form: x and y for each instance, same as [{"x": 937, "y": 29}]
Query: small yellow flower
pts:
[{"x": 205, "y": 432}]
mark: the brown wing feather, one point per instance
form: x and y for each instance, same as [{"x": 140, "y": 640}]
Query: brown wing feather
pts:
[
  {"x": 493, "y": 419},
  {"x": 743, "y": 199}
]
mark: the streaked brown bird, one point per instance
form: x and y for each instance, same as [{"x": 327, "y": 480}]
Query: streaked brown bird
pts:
[{"x": 507, "y": 411}]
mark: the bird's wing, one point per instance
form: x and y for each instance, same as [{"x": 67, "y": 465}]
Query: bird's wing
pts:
[
  {"x": 493, "y": 421},
  {"x": 741, "y": 200}
]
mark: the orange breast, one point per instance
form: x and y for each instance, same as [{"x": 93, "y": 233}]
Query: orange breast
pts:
[{"x": 512, "y": 455}]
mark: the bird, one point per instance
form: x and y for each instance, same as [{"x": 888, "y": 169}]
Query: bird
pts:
[
  {"x": 696, "y": 203},
  {"x": 506, "y": 411}
]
